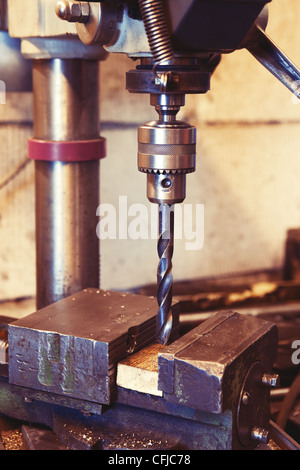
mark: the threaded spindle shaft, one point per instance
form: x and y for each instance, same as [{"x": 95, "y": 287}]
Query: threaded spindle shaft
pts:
[{"x": 156, "y": 29}]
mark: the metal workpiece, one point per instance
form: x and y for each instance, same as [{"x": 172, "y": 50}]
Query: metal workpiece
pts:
[
  {"x": 66, "y": 109},
  {"x": 72, "y": 347},
  {"x": 220, "y": 366}
]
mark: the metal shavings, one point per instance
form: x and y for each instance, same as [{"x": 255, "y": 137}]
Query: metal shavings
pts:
[
  {"x": 130, "y": 441},
  {"x": 86, "y": 435},
  {"x": 12, "y": 439},
  {"x": 272, "y": 445}
]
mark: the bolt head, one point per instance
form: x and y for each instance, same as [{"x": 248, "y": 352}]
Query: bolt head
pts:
[
  {"x": 73, "y": 12},
  {"x": 85, "y": 12},
  {"x": 28, "y": 400},
  {"x": 260, "y": 434},
  {"x": 245, "y": 398},
  {"x": 75, "y": 9},
  {"x": 270, "y": 380}
]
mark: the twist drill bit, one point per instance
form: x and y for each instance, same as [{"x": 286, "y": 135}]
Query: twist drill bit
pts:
[{"x": 164, "y": 272}]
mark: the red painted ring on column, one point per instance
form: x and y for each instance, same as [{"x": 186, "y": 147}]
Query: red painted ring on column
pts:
[{"x": 66, "y": 151}]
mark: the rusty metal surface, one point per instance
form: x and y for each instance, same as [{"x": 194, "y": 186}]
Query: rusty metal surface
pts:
[
  {"x": 206, "y": 352},
  {"x": 40, "y": 438},
  {"x": 252, "y": 409},
  {"x": 35, "y": 405},
  {"x": 31, "y": 395},
  {"x": 62, "y": 361},
  {"x": 120, "y": 424},
  {"x": 72, "y": 347}
]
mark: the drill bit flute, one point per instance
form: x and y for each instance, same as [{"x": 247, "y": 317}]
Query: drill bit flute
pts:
[{"x": 164, "y": 271}]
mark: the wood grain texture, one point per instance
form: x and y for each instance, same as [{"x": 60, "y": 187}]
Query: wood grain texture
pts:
[{"x": 139, "y": 371}]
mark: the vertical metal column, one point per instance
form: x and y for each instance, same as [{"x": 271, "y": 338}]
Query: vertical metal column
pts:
[{"x": 67, "y": 193}]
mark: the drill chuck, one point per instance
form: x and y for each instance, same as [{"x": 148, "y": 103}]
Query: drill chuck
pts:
[{"x": 166, "y": 153}]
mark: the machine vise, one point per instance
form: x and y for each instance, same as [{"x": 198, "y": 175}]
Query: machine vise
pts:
[{"x": 208, "y": 389}]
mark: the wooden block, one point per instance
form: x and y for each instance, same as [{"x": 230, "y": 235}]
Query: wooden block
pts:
[{"x": 139, "y": 371}]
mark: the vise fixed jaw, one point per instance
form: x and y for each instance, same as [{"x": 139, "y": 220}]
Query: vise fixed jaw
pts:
[{"x": 215, "y": 366}]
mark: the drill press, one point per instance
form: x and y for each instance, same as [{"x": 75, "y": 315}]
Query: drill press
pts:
[
  {"x": 204, "y": 377},
  {"x": 185, "y": 40}
]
